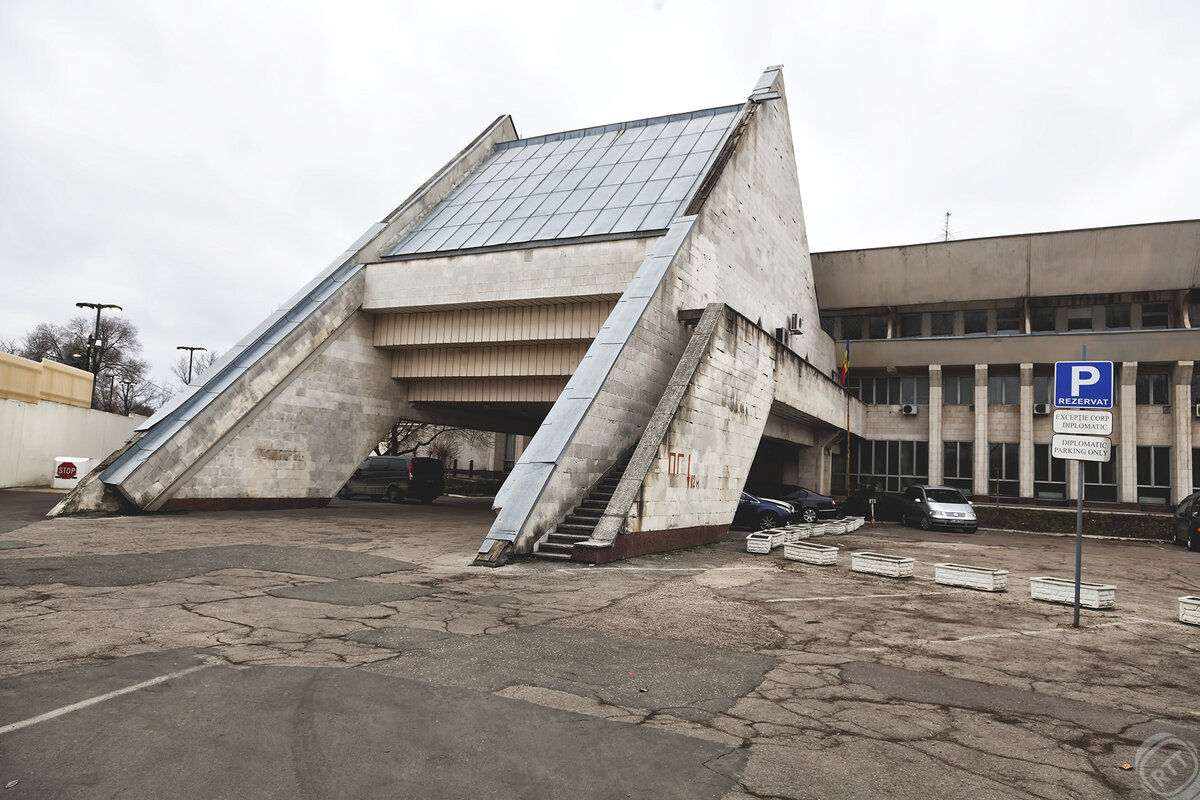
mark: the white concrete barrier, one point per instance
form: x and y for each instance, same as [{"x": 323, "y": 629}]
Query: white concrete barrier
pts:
[
  {"x": 985, "y": 578},
  {"x": 1189, "y": 610},
  {"x": 882, "y": 564},
  {"x": 811, "y": 553},
  {"x": 1062, "y": 590}
]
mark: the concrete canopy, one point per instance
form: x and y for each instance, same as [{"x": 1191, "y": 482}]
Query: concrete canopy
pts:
[{"x": 627, "y": 294}]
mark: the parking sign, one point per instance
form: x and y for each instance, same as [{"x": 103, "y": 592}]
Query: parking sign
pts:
[{"x": 1083, "y": 384}]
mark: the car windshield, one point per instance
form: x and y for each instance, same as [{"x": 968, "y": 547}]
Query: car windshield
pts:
[{"x": 945, "y": 496}]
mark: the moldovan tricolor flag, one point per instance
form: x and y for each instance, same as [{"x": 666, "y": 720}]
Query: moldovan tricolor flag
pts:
[{"x": 846, "y": 364}]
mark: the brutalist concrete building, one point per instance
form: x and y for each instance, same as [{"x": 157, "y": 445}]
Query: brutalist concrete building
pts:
[
  {"x": 640, "y": 299},
  {"x": 953, "y": 346}
]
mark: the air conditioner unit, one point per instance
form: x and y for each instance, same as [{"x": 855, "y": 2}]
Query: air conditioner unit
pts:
[
  {"x": 908, "y": 410},
  {"x": 1042, "y": 409},
  {"x": 794, "y": 323},
  {"x": 1197, "y": 409},
  {"x": 782, "y": 335}
]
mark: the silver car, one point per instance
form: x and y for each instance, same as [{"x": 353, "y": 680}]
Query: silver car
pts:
[{"x": 938, "y": 507}]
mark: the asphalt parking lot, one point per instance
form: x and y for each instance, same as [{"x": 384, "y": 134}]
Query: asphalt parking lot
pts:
[{"x": 352, "y": 652}]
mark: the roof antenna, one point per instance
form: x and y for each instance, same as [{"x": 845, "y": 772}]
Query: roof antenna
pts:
[{"x": 947, "y": 234}]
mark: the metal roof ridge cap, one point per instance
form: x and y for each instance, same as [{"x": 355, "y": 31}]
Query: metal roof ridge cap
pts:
[{"x": 596, "y": 130}]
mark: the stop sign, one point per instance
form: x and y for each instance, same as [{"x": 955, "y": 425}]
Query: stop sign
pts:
[{"x": 66, "y": 470}]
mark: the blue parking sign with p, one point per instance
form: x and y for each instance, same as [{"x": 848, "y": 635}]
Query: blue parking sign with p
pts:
[{"x": 1083, "y": 384}]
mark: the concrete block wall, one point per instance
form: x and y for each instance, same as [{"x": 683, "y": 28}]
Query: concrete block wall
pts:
[
  {"x": 166, "y": 469},
  {"x": 309, "y": 437},
  {"x": 750, "y": 247},
  {"x": 709, "y": 447}
]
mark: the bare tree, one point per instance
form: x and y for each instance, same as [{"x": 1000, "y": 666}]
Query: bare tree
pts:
[
  {"x": 202, "y": 360},
  {"x": 443, "y": 442}
]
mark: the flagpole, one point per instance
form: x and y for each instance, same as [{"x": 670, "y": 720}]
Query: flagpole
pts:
[{"x": 846, "y": 390}]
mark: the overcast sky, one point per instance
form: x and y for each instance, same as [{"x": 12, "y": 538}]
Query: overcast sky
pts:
[{"x": 198, "y": 162}]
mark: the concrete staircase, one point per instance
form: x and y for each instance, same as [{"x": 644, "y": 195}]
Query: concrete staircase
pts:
[{"x": 579, "y": 524}]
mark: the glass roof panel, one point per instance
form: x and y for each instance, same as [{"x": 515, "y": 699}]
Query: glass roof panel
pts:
[{"x": 616, "y": 179}]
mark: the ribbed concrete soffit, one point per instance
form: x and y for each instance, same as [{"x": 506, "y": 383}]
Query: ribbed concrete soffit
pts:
[
  {"x": 622, "y": 179},
  {"x": 561, "y": 323}
]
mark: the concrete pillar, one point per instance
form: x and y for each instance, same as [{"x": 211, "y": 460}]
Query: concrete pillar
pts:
[
  {"x": 936, "y": 467},
  {"x": 981, "y": 430},
  {"x": 1026, "y": 440},
  {"x": 1181, "y": 431},
  {"x": 1127, "y": 467}
]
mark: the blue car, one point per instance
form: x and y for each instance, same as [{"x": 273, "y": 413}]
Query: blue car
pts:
[{"x": 763, "y": 512}]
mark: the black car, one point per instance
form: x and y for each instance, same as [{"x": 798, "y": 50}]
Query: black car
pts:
[
  {"x": 396, "y": 478},
  {"x": 809, "y": 505},
  {"x": 762, "y": 512},
  {"x": 1186, "y": 529}
]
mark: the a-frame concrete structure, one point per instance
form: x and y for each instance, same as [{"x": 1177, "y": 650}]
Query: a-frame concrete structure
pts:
[{"x": 638, "y": 296}]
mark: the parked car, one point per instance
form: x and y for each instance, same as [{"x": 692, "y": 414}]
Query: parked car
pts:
[
  {"x": 396, "y": 478},
  {"x": 809, "y": 505},
  {"x": 937, "y": 506},
  {"x": 1186, "y": 530},
  {"x": 763, "y": 512}
]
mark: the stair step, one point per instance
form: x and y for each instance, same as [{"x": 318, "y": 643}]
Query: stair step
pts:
[
  {"x": 575, "y": 528},
  {"x": 547, "y": 548},
  {"x": 587, "y": 513},
  {"x": 553, "y": 556},
  {"x": 593, "y": 502},
  {"x": 571, "y": 538}
]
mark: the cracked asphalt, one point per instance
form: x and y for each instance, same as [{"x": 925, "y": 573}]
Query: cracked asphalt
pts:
[{"x": 352, "y": 652}]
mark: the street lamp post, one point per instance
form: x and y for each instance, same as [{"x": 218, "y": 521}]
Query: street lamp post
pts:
[
  {"x": 94, "y": 343},
  {"x": 191, "y": 355},
  {"x": 128, "y": 388}
]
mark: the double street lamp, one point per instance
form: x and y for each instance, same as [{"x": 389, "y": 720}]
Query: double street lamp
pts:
[
  {"x": 95, "y": 344},
  {"x": 191, "y": 355}
]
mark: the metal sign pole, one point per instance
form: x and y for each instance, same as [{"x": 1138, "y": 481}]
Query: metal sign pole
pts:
[{"x": 1079, "y": 522}]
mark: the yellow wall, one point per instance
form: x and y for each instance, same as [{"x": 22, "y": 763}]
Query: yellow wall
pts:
[{"x": 32, "y": 382}]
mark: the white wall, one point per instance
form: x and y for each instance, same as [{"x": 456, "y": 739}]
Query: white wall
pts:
[{"x": 32, "y": 435}]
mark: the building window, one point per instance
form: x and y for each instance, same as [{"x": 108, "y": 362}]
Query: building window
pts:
[
  {"x": 1043, "y": 389},
  {"x": 958, "y": 390},
  {"x": 1049, "y": 474},
  {"x": 910, "y": 325},
  {"x": 1004, "y": 467},
  {"x": 1194, "y": 312},
  {"x": 877, "y": 326},
  {"x": 827, "y": 326},
  {"x": 1196, "y": 388},
  {"x": 1008, "y": 320},
  {"x": 1116, "y": 316},
  {"x": 891, "y": 391},
  {"x": 889, "y": 466},
  {"x": 974, "y": 322},
  {"x": 1100, "y": 479},
  {"x": 1079, "y": 318},
  {"x": 1152, "y": 389},
  {"x": 852, "y": 327},
  {"x": 1042, "y": 319},
  {"x": 914, "y": 389},
  {"x": 1196, "y": 469},
  {"x": 1154, "y": 315},
  {"x": 1004, "y": 390},
  {"x": 941, "y": 323},
  {"x": 958, "y": 466},
  {"x": 1154, "y": 475}
]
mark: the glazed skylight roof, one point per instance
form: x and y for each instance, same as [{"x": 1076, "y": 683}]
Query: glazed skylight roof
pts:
[{"x": 618, "y": 179}]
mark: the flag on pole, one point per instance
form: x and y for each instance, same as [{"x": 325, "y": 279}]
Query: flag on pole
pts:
[{"x": 845, "y": 374}]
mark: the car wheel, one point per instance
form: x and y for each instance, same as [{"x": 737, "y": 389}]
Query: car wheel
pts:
[
  {"x": 924, "y": 523},
  {"x": 394, "y": 495},
  {"x": 809, "y": 515},
  {"x": 1193, "y": 542},
  {"x": 344, "y": 493},
  {"x": 768, "y": 519}
]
